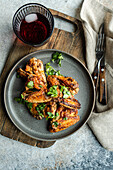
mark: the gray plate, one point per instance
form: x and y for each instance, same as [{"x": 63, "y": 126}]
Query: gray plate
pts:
[{"x": 19, "y": 114}]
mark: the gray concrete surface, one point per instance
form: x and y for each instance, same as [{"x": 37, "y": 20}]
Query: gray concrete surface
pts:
[{"x": 79, "y": 151}]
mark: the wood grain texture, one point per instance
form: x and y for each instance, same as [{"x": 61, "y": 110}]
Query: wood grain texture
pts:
[
  {"x": 71, "y": 42},
  {"x": 103, "y": 87}
]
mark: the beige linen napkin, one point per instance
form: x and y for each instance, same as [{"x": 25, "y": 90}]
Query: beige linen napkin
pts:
[{"x": 93, "y": 14}]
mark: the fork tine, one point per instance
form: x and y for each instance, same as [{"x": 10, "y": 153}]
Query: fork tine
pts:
[{"x": 100, "y": 40}]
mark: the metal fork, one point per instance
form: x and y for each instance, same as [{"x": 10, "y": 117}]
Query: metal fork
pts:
[{"x": 100, "y": 49}]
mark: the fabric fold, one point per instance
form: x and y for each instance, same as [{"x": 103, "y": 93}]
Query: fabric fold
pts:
[{"x": 93, "y": 14}]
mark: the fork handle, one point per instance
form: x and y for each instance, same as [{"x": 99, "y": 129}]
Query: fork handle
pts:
[
  {"x": 103, "y": 87},
  {"x": 95, "y": 76}
]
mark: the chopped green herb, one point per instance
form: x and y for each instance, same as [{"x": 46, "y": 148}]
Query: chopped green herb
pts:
[
  {"x": 29, "y": 105},
  {"x": 40, "y": 114},
  {"x": 54, "y": 56},
  {"x": 65, "y": 91},
  {"x": 58, "y": 73},
  {"x": 65, "y": 118},
  {"x": 18, "y": 76},
  {"x": 20, "y": 100},
  {"x": 57, "y": 114},
  {"x": 57, "y": 57},
  {"x": 55, "y": 123},
  {"x": 40, "y": 107},
  {"x": 40, "y": 86},
  {"x": 53, "y": 91},
  {"x": 51, "y": 71},
  {"x": 50, "y": 115},
  {"x": 30, "y": 84},
  {"x": 22, "y": 96}
]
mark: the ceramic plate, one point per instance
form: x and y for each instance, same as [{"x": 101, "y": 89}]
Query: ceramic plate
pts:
[{"x": 20, "y": 115}]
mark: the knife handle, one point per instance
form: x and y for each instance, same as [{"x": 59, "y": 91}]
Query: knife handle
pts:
[
  {"x": 95, "y": 76},
  {"x": 103, "y": 87}
]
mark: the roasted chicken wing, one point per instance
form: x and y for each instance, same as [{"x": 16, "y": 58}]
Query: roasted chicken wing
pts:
[
  {"x": 71, "y": 103},
  {"x": 64, "y": 81},
  {"x": 36, "y": 97},
  {"x": 67, "y": 118}
]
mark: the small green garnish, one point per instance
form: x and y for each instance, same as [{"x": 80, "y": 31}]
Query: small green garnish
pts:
[
  {"x": 50, "y": 115},
  {"x": 65, "y": 92},
  {"x": 55, "y": 124},
  {"x": 40, "y": 107},
  {"x": 29, "y": 105},
  {"x": 40, "y": 114},
  {"x": 57, "y": 114},
  {"x": 18, "y": 76},
  {"x": 40, "y": 86},
  {"x": 22, "y": 96},
  {"x": 53, "y": 91},
  {"x": 54, "y": 57},
  {"x": 51, "y": 71},
  {"x": 65, "y": 118},
  {"x": 20, "y": 100},
  {"x": 57, "y": 57},
  {"x": 30, "y": 84}
]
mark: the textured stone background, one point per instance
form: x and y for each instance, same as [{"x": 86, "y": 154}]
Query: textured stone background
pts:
[{"x": 81, "y": 150}]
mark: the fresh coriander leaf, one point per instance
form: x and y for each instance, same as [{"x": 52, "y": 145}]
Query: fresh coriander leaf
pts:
[
  {"x": 29, "y": 105},
  {"x": 40, "y": 114},
  {"x": 18, "y": 99},
  {"x": 40, "y": 86},
  {"x": 50, "y": 114},
  {"x": 55, "y": 124},
  {"x": 58, "y": 73},
  {"x": 53, "y": 91},
  {"x": 55, "y": 56},
  {"x": 65, "y": 118},
  {"x": 53, "y": 60},
  {"x": 61, "y": 88},
  {"x": 59, "y": 63},
  {"x": 57, "y": 114},
  {"x": 47, "y": 118},
  {"x": 22, "y": 96},
  {"x": 30, "y": 84},
  {"x": 65, "y": 96},
  {"x": 18, "y": 76},
  {"x": 60, "y": 56}
]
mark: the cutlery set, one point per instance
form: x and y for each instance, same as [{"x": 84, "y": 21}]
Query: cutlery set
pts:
[{"x": 99, "y": 70}]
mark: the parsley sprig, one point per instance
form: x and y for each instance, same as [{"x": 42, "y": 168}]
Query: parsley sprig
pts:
[
  {"x": 53, "y": 91},
  {"x": 51, "y": 71},
  {"x": 50, "y": 115},
  {"x": 40, "y": 107},
  {"x": 65, "y": 91},
  {"x": 57, "y": 57},
  {"x": 30, "y": 84}
]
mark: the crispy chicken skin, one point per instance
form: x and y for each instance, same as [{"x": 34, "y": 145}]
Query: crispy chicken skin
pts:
[
  {"x": 71, "y": 103},
  {"x": 38, "y": 83},
  {"x": 34, "y": 112},
  {"x": 36, "y": 97},
  {"x": 50, "y": 107},
  {"x": 68, "y": 117},
  {"x": 64, "y": 81},
  {"x": 35, "y": 66}
]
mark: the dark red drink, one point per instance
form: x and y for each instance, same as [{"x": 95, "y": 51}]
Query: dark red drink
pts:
[{"x": 34, "y": 28}]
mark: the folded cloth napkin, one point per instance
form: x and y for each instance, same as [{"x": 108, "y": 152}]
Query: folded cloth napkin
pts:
[{"x": 92, "y": 15}]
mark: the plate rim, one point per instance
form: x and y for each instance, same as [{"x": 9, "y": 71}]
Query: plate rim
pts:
[{"x": 30, "y": 54}]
